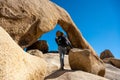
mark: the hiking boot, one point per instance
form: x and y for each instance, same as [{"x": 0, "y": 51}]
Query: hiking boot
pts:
[{"x": 61, "y": 68}]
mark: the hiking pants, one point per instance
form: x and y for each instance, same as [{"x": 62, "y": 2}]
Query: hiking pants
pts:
[{"x": 62, "y": 52}]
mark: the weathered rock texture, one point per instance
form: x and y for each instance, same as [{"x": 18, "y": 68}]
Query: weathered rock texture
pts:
[
  {"x": 106, "y": 54},
  {"x": 55, "y": 74},
  {"x": 27, "y": 20},
  {"x": 112, "y": 61},
  {"x": 107, "y": 60},
  {"x": 112, "y": 73},
  {"x": 84, "y": 60},
  {"x": 15, "y": 64},
  {"x": 108, "y": 57},
  {"x": 40, "y": 45},
  {"x": 73, "y": 75},
  {"x": 115, "y": 62}
]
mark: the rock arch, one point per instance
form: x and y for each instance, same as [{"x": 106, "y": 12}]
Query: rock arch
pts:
[{"x": 27, "y": 20}]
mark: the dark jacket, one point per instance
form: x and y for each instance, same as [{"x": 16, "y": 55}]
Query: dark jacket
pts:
[{"x": 63, "y": 41}]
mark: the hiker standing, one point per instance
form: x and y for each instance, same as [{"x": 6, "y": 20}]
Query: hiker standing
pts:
[{"x": 63, "y": 43}]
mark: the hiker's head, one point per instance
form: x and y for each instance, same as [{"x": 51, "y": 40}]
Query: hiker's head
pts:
[{"x": 59, "y": 33}]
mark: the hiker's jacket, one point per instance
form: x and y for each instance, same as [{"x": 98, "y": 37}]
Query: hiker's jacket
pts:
[{"x": 63, "y": 41}]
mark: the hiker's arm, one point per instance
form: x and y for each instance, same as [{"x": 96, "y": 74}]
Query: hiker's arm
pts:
[{"x": 68, "y": 42}]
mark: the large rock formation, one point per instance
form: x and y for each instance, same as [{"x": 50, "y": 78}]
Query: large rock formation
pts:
[
  {"x": 84, "y": 60},
  {"x": 106, "y": 54},
  {"x": 27, "y": 20},
  {"x": 15, "y": 64},
  {"x": 40, "y": 45},
  {"x": 112, "y": 73},
  {"x": 55, "y": 74}
]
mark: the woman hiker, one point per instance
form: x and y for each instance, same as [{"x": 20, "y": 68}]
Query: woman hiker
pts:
[{"x": 63, "y": 44}]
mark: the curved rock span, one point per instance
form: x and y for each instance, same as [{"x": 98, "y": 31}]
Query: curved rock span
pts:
[{"x": 27, "y": 20}]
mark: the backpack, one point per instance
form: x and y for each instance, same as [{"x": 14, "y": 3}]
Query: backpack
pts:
[{"x": 64, "y": 42}]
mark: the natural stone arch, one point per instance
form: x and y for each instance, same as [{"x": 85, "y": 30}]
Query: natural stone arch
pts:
[{"x": 27, "y": 20}]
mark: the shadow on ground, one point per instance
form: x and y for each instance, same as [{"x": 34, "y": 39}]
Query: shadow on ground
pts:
[{"x": 57, "y": 74}]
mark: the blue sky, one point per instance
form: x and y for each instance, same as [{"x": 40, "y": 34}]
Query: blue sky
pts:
[{"x": 98, "y": 20}]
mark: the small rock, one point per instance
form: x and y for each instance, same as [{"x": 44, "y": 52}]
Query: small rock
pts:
[
  {"x": 36, "y": 52},
  {"x": 106, "y": 54},
  {"x": 40, "y": 45}
]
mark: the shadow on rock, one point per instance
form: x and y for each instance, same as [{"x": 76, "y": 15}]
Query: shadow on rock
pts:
[{"x": 57, "y": 74}]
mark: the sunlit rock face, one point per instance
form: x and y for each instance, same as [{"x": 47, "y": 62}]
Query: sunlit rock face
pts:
[
  {"x": 53, "y": 66},
  {"x": 109, "y": 58},
  {"x": 112, "y": 73},
  {"x": 73, "y": 75},
  {"x": 83, "y": 60},
  {"x": 106, "y": 54},
  {"x": 15, "y": 64},
  {"x": 27, "y": 20}
]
